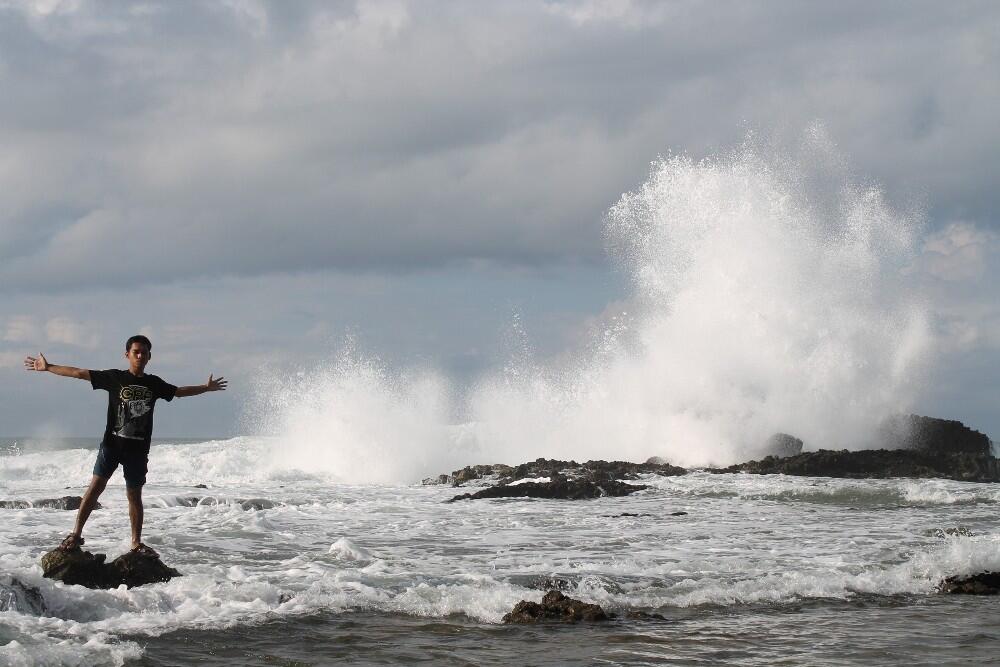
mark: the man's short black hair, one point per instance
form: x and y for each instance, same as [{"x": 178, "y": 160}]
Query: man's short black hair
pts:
[{"x": 138, "y": 338}]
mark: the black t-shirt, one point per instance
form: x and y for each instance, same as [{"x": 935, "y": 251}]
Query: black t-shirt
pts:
[{"x": 130, "y": 403}]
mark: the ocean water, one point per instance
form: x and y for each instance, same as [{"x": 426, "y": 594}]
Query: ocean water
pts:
[{"x": 761, "y": 569}]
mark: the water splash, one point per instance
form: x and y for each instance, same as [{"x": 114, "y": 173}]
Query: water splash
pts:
[{"x": 768, "y": 294}]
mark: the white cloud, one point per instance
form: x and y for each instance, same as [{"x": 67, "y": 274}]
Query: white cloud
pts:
[
  {"x": 67, "y": 331},
  {"x": 21, "y": 329},
  {"x": 960, "y": 252}
]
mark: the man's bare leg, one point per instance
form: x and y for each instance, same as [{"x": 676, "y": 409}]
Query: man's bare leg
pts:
[
  {"x": 89, "y": 502},
  {"x": 134, "y": 494}
]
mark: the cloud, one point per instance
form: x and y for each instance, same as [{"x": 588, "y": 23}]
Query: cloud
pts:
[
  {"x": 21, "y": 329},
  {"x": 960, "y": 252},
  {"x": 254, "y": 138},
  {"x": 67, "y": 331}
]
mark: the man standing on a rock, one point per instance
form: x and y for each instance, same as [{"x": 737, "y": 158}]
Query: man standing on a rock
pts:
[{"x": 131, "y": 396}]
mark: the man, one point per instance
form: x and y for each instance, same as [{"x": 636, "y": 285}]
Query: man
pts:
[{"x": 131, "y": 397}]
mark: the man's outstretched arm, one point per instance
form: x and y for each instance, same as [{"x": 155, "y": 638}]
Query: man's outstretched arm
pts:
[
  {"x": 213, "y": 384},
  {"x": 41, "y": 364}
]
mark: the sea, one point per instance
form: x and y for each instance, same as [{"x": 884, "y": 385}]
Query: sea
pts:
[
  {"x": 770, "y": 291},
  {"x": 758, "y": 570}
]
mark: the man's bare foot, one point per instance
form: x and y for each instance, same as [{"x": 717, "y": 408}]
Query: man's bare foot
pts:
[
  {"x": 143, "y": 550},
  {"x": 71, "y": 542}
]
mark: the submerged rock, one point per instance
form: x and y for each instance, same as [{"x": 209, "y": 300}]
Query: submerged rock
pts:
[
  {"x": 555, "y": 607},
  {"x": 561, "y": 489},
  {"x": 15, "y": 595},
  {"x": 984, "y": 583},
  {"x": 876, "y": 463},
  {"x": 83, "y": 568},
  {"x": 257, "y": 504},
  {"x": 64, "y": 503},
  {"x": 14, "y": 504}
]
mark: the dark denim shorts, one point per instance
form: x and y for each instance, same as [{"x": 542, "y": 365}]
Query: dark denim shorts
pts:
[{"x": 133, "y": 458}]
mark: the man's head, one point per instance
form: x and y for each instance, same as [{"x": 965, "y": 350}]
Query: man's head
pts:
[{"x": 138, "y": 351}]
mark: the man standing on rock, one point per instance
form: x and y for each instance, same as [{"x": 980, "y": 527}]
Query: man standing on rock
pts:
[{"x": 131, "y": 396}]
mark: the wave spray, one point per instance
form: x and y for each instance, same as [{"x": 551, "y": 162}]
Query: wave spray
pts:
[{"x": 768, "y": 294}]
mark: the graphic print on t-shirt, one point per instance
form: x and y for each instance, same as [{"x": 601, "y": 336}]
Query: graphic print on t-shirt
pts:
[{"x": 134, "y": 406}]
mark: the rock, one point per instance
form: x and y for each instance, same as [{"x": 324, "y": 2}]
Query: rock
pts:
[
  {"x": 930, "y": 434},
  {"x": 257, "y": 504},
  {"x": 469, "y": 473},
  {"x": 555, "y": 607},
  {"x": 200, "y": 486},
  {"x": 984, "y": 583},
  {"x": 14, "y": 504},
  {"x": 561, "y": 488},
  {"x": 440, "y": 479},
  {"x": 590, "y": 470},
  {"x": 876, "y": 463},
  {"x": 16, "y": 595},
  {"x": 782, "y": 444},
  {"x": 78, "y": 567},
  {"x": 83, "y": 568},
  {"x": 64, "y": 503},
  {"x": 138, "y": 570}
]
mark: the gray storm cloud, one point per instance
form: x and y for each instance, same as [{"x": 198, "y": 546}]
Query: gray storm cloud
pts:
[{"x": 252, "y": 138}]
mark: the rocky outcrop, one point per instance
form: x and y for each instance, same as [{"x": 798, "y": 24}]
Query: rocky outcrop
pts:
[
  {"x": 595, "y": 471},
  {"x": 929, "y": 434},
  {"x": 15, "y": 595},
  {"x": 877, "y": 463},
  {"x": 590, "y": 470},
  {"x": 559, "y": 488},
  {"x": 83, "y": 568},
  {"x": 64, "y": 503},
  {"x": 984, "y": 583},
  {"x": 555, "y": 607}
]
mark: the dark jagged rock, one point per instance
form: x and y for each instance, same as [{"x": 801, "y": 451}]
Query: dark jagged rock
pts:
[
  {"x": 440, "y": 479},
  {"x": 257, "y": 504},
  {"x": 984, "y": 583},
  {"x": 561, "y": 488},
  {"x": 555, "y": 607},
  {"x": 930, "y": 434},
  {"x": 589, "y": 470},
  {"x": 877, "y": 463},
  {"x": 200, "y": 486},
  {"x": 135, "y": 569},
  {"x": 64, "y": 503},
  {"x": 470, "y": 473},
  {"x": 15, "y": 595},
  {"x": 596, "y": 471},
  {"x": 78, "y": 567},
  {"x": 83, "y": 568},
  {"x": 14, "y": 504}
]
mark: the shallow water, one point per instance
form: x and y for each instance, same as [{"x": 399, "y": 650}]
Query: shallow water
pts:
[{"x": 761, "y": 569}]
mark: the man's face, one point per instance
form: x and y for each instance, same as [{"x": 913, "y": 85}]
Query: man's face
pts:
[{"x": 138, "y": 356}]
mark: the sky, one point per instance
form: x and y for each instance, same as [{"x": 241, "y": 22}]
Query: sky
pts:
[{"x": 253, "y": 184}]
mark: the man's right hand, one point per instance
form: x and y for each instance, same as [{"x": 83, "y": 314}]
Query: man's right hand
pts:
[{"x": 33, "y": 364}]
